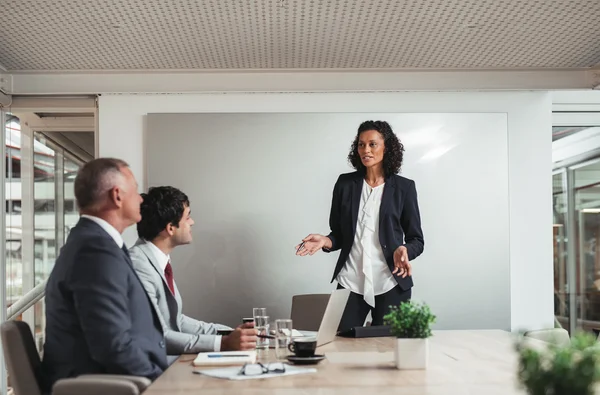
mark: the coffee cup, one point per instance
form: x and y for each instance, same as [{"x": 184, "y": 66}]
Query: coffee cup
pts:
[{"x": 303, "y": 348}]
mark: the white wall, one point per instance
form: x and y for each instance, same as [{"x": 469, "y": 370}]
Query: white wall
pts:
[
  {"x": 256, "y": 189},
  {"x": 122, "y": 122}
]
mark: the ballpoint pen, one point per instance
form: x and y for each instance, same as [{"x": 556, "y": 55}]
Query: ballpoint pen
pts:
[
  {"x": 301, "y": 246},
  {"x": 266, "y": 336},
  {"x": 226, "y": 355}
]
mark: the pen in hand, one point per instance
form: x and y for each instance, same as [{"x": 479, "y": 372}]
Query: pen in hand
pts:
[
  {"x": 301, "y": 246},
  {"x": 265, "y": 336}
]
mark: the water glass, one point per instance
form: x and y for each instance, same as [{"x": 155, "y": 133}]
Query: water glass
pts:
[
  {"x": 283, "y": 337},
  {"x": 259, "y": 312},
  {"x": 261, "y": 324}
]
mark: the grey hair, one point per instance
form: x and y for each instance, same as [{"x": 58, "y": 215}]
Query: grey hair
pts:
[{"x": 95, "y": 179}]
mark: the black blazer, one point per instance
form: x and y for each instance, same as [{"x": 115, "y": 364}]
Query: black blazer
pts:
[
  {"x": 98, "y": 316},
  {"x": 399, "y": 220}
]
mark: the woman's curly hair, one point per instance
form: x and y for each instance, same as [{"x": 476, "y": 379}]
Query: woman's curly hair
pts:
[{"x": 393, "y": 148}]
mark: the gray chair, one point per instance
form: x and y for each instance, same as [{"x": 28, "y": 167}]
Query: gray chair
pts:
[
  {"x": 24, "y": 369},
  {"x": 308, "y": 311},
  {"x": 556, "y": 336}
]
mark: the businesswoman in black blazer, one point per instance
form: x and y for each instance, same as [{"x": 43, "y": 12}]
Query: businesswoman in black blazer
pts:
[{"x": 376, "y": 224}]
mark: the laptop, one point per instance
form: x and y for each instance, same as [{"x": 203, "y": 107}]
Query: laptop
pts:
[{"x": 331, "y": 318}]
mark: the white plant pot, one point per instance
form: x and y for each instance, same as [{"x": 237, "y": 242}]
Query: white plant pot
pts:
[{"x": 412, "y": 354}]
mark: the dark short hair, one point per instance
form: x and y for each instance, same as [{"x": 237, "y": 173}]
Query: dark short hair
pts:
[
  {"x": 161, "y": 206},
  {"x": 394, "y": 150},
  {"x": 96, "y": 178}
]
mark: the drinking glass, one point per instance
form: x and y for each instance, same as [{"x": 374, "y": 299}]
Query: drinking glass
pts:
[
  {"x": 283, "y": 337},
  {"x": 261, "y": 324}
]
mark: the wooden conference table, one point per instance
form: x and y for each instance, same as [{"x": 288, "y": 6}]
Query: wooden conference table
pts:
[{"x": 460, "y": 362}]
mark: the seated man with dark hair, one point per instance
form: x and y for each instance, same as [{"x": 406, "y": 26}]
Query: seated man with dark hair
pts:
[{"x": 167, "y": 223}]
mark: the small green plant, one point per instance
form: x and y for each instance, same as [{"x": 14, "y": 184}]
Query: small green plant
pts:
[
  {"x": 410, "y": 320},
  {"x": 560, "y": 370}
]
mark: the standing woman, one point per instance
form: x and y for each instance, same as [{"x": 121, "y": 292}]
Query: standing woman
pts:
[{"x": 375, "y": 221}]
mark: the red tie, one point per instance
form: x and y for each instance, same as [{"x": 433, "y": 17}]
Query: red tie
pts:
[{"x": 169, "y": 277}]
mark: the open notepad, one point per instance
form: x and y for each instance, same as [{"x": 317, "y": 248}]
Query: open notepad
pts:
[
  {"x": 233, "y": 373},
  {"x": 225, "y": 358}
]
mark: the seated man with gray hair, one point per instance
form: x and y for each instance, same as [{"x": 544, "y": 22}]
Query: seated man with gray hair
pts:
[{"x": 98, "y": 316}]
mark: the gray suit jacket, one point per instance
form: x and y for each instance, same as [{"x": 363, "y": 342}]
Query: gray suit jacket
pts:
[{"x": 182, "y": 334}]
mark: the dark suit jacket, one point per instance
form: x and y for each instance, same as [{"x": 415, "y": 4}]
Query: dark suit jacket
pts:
[
  {"x": 399, "y": 220},
  {"x": 98, "y": 316}
]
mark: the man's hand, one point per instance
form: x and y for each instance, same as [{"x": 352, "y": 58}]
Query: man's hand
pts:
[{"x": 242, "y": 338}]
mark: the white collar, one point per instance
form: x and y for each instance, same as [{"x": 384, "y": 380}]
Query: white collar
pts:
[
  {"x": 108, "y": 228},
  {"x": 160, "y": 256}
]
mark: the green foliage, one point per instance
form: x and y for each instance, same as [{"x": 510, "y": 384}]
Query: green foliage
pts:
[
  {"x": 410, "y": 320},
  {"x": 555, "y": 370}
]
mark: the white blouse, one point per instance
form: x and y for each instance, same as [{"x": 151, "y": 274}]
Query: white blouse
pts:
[{"x": 366, "y": 271}]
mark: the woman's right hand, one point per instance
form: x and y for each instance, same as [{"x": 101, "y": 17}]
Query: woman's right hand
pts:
[{"x": 312, "y": 243}]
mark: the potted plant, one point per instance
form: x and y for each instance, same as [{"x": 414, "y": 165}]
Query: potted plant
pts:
[
  {"x": 411, "y": 323},
  {"x": 572, "y": 369}
]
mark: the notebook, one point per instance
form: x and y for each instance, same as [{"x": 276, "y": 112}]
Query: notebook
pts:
[{"x": 225, "y": 358}]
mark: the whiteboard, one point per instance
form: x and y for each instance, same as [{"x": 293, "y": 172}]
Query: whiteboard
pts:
[{"x": 259, "y": 182}]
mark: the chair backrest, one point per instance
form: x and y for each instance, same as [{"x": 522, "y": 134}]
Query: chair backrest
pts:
[
  {"x": 557, "y": 336},
  {"x": 21, "y": 356},
  {"x": 308, "y": 311}
]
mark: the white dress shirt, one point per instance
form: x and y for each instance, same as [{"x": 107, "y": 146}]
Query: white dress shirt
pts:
[
  {"x": 108, "y": 228},
  {"x": 163, "y": 259},
  {"x": 160, "y": 257},
  {"x": 366, "y": 271}
]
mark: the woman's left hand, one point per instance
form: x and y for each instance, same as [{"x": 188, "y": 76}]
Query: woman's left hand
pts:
[{"x": 401, "y": 263}]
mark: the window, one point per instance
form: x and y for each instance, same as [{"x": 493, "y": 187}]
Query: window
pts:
[
  {"x": 576, "y": 228},
  {"x": 40, "y": 210}
]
